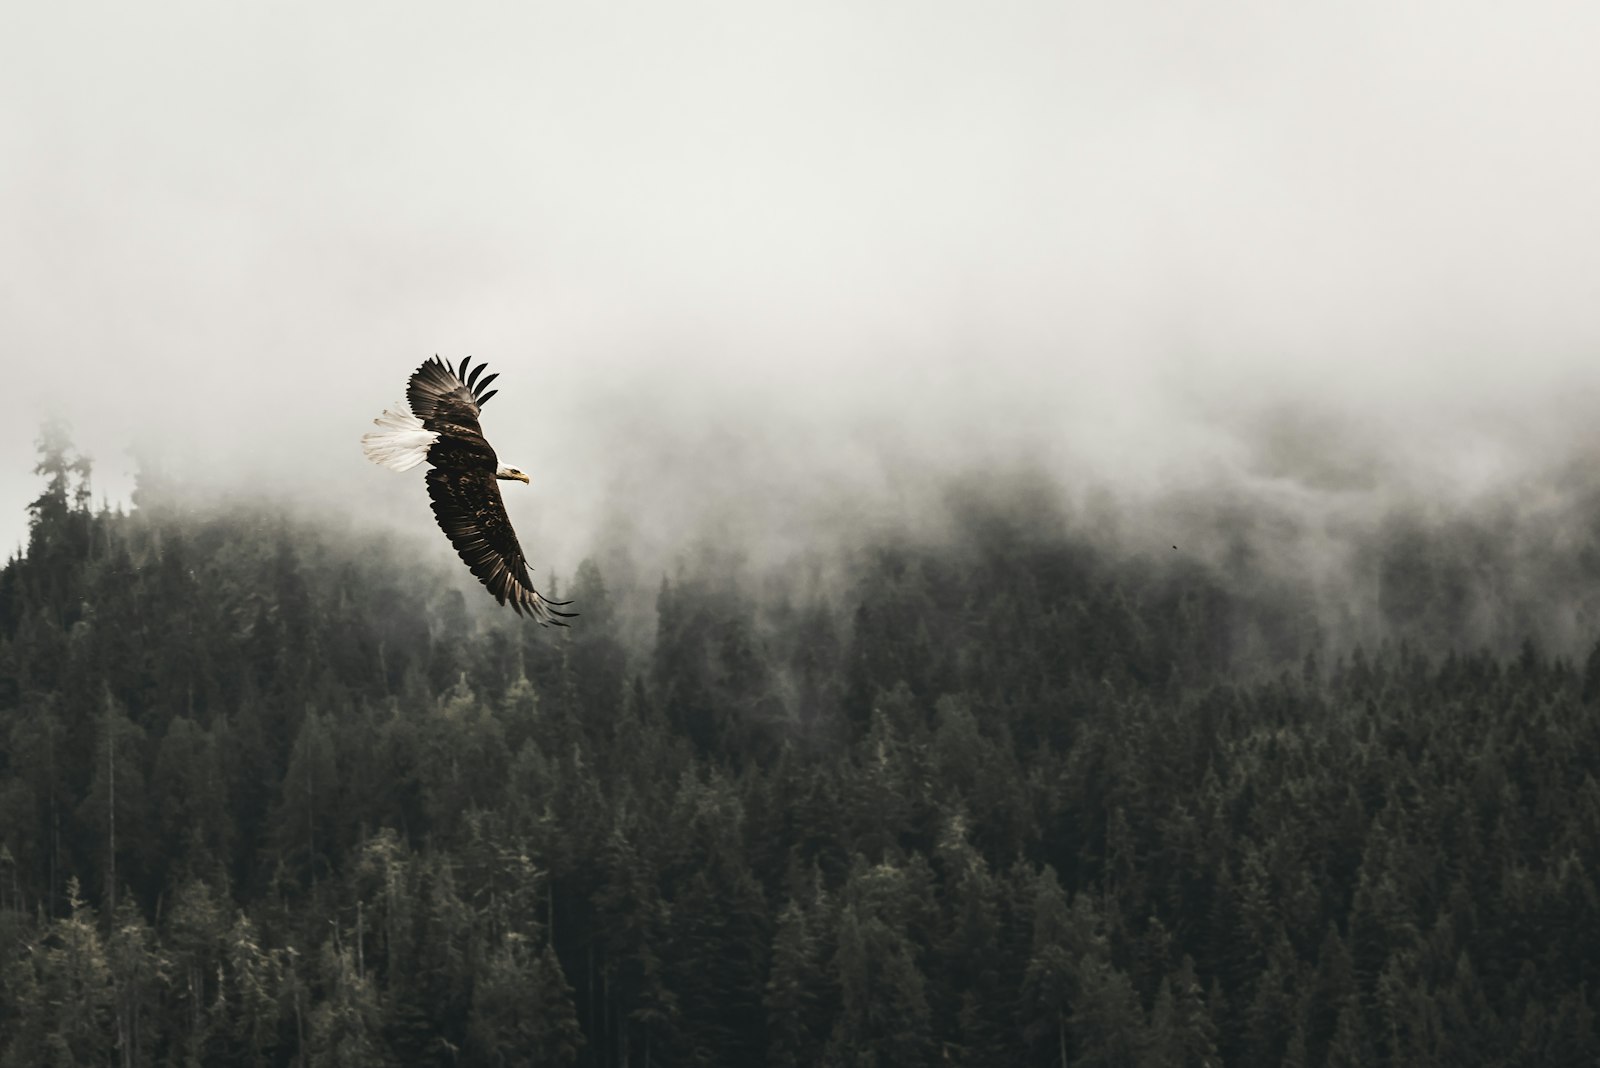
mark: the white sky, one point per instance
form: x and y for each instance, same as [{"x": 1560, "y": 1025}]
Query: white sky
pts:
[{"x": 763, "y": 240}]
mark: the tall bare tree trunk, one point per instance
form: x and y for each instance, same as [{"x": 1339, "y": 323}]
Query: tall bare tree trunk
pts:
[
  {"x": 311, "y": 824},
  {"x": 111, "y": 814},
  {"x": 299, "y": 1026},
  {"x": 55, "y": 818},
  {"x": 194, "y": 1002}
]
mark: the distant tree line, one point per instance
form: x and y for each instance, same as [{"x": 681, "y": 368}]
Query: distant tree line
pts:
[{"x": 271, "y": 794}]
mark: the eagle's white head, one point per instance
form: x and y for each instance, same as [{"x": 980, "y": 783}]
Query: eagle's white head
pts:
[{"x": 508, "y": 472}]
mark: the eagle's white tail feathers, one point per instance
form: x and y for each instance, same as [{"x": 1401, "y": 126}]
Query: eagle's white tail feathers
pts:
[{"x": 400, "y": 443}]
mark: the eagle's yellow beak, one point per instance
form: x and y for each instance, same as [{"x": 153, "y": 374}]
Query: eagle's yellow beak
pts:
[{"x": 510, "y": 473}]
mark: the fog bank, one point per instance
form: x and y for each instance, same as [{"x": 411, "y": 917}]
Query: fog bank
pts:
[{"x": 784, "y": 270}]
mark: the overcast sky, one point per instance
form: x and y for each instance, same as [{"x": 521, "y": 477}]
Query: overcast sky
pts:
[{"x": 767, "y": 240}]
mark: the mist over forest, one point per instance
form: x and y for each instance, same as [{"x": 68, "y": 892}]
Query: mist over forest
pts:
[{"x": 1007, "y": 773}]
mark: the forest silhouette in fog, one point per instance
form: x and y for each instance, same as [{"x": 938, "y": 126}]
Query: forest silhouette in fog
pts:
[{"x": 274, "y": 792}]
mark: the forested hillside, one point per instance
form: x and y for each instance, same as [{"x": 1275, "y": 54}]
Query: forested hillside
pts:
[{"x": 273, "y": 794}]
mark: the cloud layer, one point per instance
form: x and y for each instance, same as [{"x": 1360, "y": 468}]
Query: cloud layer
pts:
[{"x": 714, "y": 246}]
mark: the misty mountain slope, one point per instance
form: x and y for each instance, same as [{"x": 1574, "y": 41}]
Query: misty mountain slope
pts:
[{"x": 1005, "y": 787}]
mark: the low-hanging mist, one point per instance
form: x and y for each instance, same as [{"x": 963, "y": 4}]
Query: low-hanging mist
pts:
[
  {"x": 990, "y": 775},
  {"x": 1336, "y": 535}
]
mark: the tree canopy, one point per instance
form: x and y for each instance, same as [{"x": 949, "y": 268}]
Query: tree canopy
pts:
[{"x": 274, "y": 795}]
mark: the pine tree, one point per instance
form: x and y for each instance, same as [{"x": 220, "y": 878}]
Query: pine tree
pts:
[
  {"x": 1351, "y": 1047},
  {"x": 305, "y": 822},
  {"x": 1048, "y": 987},
  {"x": 885, "y": 1018},
  {"x": 190, "y": 801},
  {"x": 971, "y": 993},
  {"x": 34, "y": 798},
  {"x": 139, "y": 972},
  {"x": 77, "y": 984},
  {"x": 249, "y": 1000},
  {"x": 196, "y": 937},
  {"x": 1107, "y": 1023},
  {"x": 58, "y": 525},
  {"x": 116, "y": 803},
  {"x": 343, "y": 1027},
  {"x": 26, "y": 1023},
  {"x": 522, "y": 1012},
  {"x": 797, "y": 992},
  {"x": 1190, "y": 1029}
]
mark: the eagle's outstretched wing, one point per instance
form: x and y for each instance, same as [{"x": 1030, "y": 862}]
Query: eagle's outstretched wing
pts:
[
  {"x": 468, "y": 505},
  {"x": 448, "y": 402},
  {"x": 438, "y": 390}
]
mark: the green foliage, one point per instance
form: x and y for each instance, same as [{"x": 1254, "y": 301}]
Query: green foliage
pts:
[
  {"x": 799, "y": 997},
  {"x": 272, "y": 794},
  {"x": 522, "y": 1013}
]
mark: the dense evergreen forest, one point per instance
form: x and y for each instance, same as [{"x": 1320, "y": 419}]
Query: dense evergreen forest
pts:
[{"x": 273, "y": 794}]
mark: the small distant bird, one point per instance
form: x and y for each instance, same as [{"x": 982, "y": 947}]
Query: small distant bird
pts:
[{"x": 438, "y": 422}]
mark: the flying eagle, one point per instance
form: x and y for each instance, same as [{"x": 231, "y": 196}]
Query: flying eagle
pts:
[{"x": 440, "y": 425}]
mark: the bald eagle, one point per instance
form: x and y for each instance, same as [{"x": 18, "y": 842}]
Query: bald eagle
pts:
[{"x": 438, "y": 422}]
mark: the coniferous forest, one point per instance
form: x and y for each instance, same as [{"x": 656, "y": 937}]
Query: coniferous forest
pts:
[{"x": 276, "y": 794}]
